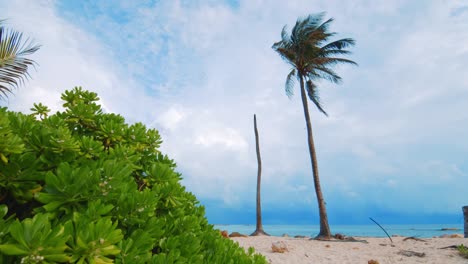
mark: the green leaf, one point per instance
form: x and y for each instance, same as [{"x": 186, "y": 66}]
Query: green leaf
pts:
[
  {"x": 52, "y": 206},
  {"x": 3, "y": 210},
  {"x": 58, "y": 257},
  {"x": 18, "y": 233},
  {"x": 13, "y": 249}
]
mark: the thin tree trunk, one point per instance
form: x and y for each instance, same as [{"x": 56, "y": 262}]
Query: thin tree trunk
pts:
[
  {"x": 324, "y": 227},
  {"x": 259, "y": 229},
  {"x": 465, "y": 215}
]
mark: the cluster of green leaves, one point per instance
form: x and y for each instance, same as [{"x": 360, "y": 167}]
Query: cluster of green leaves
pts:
[
  {"x": 82, "y": 186},
  {"x": 463, "y": 251}
]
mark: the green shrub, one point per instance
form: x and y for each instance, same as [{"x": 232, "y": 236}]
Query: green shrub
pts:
[
  {"x": 82, "y": 186},
  {"x": 463, "y": 251}
]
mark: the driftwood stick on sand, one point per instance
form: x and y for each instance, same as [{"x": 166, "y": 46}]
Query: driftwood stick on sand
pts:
[
  {"x": 382, "y": 229},
  {"x": 346, "y": 239},
  {"x": 409, "y": 253},
  {"x": 352, "y": 239},
  {"x": 451, "y": 247},
  {"x": 414, "y": 238}
]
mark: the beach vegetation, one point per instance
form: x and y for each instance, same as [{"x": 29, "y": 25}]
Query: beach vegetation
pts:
[
  {"x": 312, "y": 57},
  {"x": 83, "y": 186},
  {"x": 463, "y": 250}
]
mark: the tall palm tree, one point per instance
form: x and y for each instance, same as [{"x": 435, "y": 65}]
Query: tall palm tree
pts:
[
  {"x": 14, "y": 65},
  {"x": 259, "y": 227},
  {"x": 311, "y": 56}
]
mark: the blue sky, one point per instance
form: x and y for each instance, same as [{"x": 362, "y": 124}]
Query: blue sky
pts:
[{"x": 394, "y": 146}]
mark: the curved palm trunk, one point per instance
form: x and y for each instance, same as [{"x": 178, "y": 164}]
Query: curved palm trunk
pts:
[
  {"x": 259, "y": 229},
  {"x": 324, "y": 227}
]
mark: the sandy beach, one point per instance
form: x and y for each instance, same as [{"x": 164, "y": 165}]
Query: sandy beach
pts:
[{"x": 304, "y": 250}]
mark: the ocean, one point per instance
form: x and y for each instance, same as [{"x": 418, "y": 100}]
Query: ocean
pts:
[{"x": 422, "y": 231}]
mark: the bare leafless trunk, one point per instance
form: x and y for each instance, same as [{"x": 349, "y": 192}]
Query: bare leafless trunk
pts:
[
  {"x": 324, "y": 227},
  {"x": 465, "y": 214},
  {"x": 259, "y": 228}
]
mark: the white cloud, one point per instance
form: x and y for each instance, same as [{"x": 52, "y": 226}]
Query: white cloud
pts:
[
  {"x": 227, "y": 138},
  {"x": 172, "y": 118}
]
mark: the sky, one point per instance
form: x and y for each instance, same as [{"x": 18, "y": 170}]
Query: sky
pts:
[{"x": 394, "y": 146}]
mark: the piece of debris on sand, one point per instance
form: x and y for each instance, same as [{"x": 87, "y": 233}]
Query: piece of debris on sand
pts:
[
  {"x": 279, "y": 247},
  {"x": 414, "y": 238},
  {"x": 237, "y": 234},
  {"x": 409, "y": 253}
]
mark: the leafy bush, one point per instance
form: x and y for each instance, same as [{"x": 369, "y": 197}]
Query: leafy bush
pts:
[
  {"x": 463, "y": 251},
  {"x": 82, "y": 186}
]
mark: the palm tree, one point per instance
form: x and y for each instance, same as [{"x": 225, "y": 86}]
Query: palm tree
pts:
[
  {"x": 311, "y": 58},
  {"x": 14, "y": 65},
  {"x": 259, "y": 228}
]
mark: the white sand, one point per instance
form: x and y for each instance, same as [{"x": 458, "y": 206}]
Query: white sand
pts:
[{"x": 304, "y": 250}]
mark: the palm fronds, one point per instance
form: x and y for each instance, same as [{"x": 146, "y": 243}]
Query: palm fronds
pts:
[
  {"x": 307, "y": 51},
  {"x": 312, "y": 91},
  {"x": 290, "y": 83},
  {"x": 14, "y": 65},
  {"x": 339, "y": 44}
]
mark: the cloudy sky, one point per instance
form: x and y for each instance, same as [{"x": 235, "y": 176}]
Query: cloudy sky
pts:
[{"x": 395, "y": 144}]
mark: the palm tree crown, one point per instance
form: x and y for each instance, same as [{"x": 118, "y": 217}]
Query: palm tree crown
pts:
[
  {"x": 305, "y": 50},
  {"x": 13, "y": 63}
]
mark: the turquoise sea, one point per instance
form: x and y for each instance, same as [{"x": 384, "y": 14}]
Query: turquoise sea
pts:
[{"x": 423, "y": 231}]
